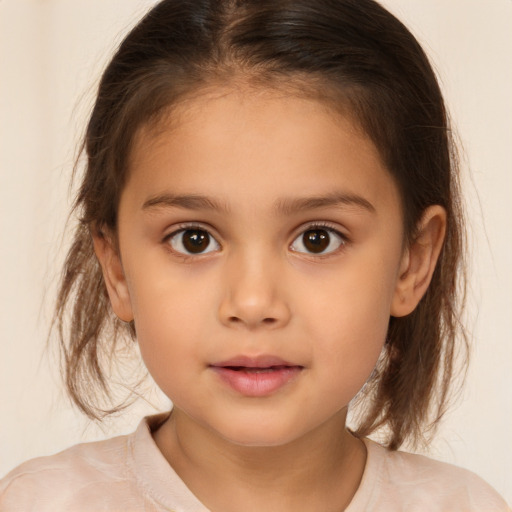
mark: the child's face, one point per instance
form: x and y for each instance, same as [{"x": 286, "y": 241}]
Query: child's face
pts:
[{"x": 258, "y": 231}]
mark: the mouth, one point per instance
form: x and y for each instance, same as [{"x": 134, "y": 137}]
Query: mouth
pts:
[
  {"x": 266, "y": 369},
  {"x": 256, "y": 377}
]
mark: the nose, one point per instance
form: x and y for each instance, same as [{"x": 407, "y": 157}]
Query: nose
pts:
[{"x": 255, "y": 296}]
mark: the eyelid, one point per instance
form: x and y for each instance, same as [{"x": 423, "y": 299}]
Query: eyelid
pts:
[
  {"x": 200, "y": 226},
  {"x": 183, "y": 226},
  {"x": 321, "y": 225},
  {"x": 190, "y": 226}
]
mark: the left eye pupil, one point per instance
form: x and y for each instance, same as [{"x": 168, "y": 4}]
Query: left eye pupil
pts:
[
  {"x": 195, "y": 240},
  {"x": 316, "y": 240}
]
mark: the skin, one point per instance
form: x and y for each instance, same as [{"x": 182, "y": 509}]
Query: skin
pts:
[{"x": 257, "y": 290}]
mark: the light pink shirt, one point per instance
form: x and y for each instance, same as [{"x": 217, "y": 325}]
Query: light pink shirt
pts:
[{"x": 129, "y": 474}]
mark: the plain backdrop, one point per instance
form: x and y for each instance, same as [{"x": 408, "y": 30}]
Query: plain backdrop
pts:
[{"x": 51, "y": 55}]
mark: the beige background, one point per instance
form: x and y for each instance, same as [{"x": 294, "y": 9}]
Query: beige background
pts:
[{"x": 51, "y": 52}]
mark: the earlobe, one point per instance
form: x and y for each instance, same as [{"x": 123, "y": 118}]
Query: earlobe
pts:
[
  {"x": 113, "y": 274},
  {"x": 419, "y": 261}
]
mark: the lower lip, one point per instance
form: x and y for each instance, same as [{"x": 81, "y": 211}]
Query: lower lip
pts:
[{"x": 257, "y": 382}]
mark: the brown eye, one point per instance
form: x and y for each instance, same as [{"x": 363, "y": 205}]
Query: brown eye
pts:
[
  {"x": 318, "y": 241},
  {"x": 193, "y": 241}
]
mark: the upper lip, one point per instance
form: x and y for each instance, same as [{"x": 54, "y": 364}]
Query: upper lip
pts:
[{"x": 262, "y": 361}]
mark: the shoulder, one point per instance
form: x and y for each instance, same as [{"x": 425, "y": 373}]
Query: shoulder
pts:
[
  {"x": 125, "y": 473},
  {"x": 69, "y": 479},
  {"x": 414, "y": 483}
]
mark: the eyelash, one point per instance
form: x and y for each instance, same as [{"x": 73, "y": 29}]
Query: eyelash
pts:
[
  {"x": 183, "y": 228},
  {"x": 343, "y": 240},
  {"x": 321, "y": 226}
]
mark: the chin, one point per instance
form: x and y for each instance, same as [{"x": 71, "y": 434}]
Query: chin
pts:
[
  {"x": 261, "y": 435},
  {"x": 259, "y": 441}
]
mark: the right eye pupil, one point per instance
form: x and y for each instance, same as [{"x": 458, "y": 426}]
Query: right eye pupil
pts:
[
  {"x": 316, "y": 240},
  {"x": 195, "y": 240}
]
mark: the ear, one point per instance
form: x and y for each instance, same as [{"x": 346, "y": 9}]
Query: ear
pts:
[
  {"x": 113, "y": 273},
  {"x": 419, "y": 261}
]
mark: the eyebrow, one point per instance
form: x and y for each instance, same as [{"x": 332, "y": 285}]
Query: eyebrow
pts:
[
  {"x": 186, "y": 201},
  {"x": 285, "y": 206},
  {"x": 293, "y": 205}
]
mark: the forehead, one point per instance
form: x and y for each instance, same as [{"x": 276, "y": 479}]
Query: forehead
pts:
[
  {"x": 245, "y": 107},
  {"x": 233, "y": 142}
]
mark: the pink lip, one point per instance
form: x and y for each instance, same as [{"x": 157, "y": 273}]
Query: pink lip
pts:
[{"x": 256, "y": 376}]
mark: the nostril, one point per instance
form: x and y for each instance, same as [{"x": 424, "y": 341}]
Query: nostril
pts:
[{"x": 266, "y": 321}]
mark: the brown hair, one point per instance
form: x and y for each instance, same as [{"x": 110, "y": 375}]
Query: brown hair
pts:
[{"x": 352, "y": 52}]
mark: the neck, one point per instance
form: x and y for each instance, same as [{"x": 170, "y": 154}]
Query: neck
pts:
[{"x": 319, "y": 471}]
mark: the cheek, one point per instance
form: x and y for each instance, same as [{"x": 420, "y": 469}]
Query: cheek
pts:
[
  {"x": 346, "y": 363},
  {"x": 349, "y": 324},
  {"x": 353, "y": 348},
  {"x": 354, "y": 303},
  {"x": 168, "y": 339},
  {"x": 166, "y": 298},
  {"x": 170, "y": 316}
]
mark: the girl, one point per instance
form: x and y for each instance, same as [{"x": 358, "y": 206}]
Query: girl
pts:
[{"x": 271, "y": 210}]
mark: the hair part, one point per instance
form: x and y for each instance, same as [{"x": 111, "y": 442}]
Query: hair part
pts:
[{"x": 358, "y": 59}]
